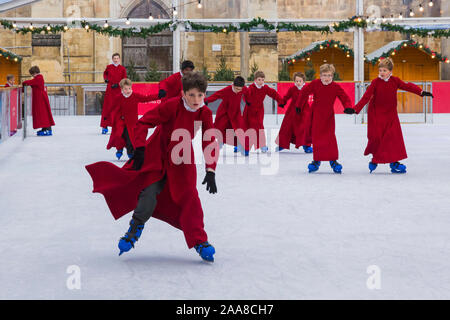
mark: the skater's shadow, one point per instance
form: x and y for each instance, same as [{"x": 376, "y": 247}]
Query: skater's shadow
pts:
[{"x": 163, "y": 260}]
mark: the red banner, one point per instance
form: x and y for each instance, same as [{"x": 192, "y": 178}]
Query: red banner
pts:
[
  {"x": 13, "y": 111},
  {"x": 441, "y": 93},
  {"x": 146, "y": 88}
]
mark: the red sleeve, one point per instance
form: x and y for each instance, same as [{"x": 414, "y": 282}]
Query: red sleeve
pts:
[
  {"x": 166, "y": 83},
  {"x": 304, "y": 94},
  {"x": 288, "y": 95},
  {"x": 142, "y": 98},
  {"x": 246, "y": 93},
  {"x": 156, "y": 116},
  {"x": 366, "y": 97},
  {"x": 408, "y": 86},
  {"x": 274, "y": 95},
  {"x": 105, "y": 74},
  {"x": 31, "y": 82},
  {"x": 124, "y": 73},
  {"x": 343, "y": 96},
  {"x": 209, "y": 143},
  {"x": 217, "y": 95}
]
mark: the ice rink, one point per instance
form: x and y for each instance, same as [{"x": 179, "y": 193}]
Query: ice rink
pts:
[{"x": 279, "y": 232}]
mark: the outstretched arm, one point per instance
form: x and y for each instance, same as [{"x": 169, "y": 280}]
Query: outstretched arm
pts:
[
  {"x": 365, "y": 98},
  {"x": 215, "y": 96},
  {"x": 410, "y": 87},
  {"x": 143, "y": 98},
  {"x": 274, "y": 95}
]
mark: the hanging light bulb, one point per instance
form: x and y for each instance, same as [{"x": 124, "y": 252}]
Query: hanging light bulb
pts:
[
  {"x": 86, "y": 27},
  {"x": 66, "y": 28},
  {"x": 14, "y": 25},
  {"x": 199, "y": 5},
  {"x": 128, "y": 21},
  {"x": 49, "y": 28},
  {"x": 400, "y": 16},
  {"x": 150, "y": 17},
  {"x": 31, "y": 26},
  {"x": 175, "y": 12},
  {"x": 421, "y": 9},
  {"x": 106, "y": 25},
  {"x": 430, "y": 4},
  {"x": 392, "y": 18},
  {"x": 411, "y": 13},
  {"x": 384, "y": 19}
]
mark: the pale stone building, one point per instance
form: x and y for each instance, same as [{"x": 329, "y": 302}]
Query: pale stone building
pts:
[{"x": 81, "y": 56}]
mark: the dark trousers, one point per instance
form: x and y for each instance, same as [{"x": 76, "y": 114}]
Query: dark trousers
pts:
[
  {"x": 128, "y": 144},
  {"x": 147, "y": 201}
]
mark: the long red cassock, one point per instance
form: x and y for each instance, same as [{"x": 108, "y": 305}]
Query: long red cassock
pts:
[
  {"x": 295, "y": 128},
  {"x": 7, "y": 85},
  {"x": 114, "y": 75},
  {"x": 254, "y": 114},
  {"x": 172, "y": 85},
  {"x": 228, "y": 115},
  {"x": 384, "y": 133},
  {"x": 178, "y": 204},
  {"x": 42, "y": 114},
  {"x": 125, "y": 115},
  {"x": 323, "y": 123}
]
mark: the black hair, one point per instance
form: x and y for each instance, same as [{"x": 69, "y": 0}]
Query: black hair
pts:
[
  {"x": 187, "y": 64},
  {"x": 194, "y": 80},
  {"x": 239, "y": 81}
]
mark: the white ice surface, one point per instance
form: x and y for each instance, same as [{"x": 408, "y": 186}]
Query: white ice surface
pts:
[{"x": 285, "y": 235}]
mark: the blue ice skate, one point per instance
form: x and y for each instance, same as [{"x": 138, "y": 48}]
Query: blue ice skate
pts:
[
  {"x": 206, "y": 251},
  {"x": 134, "y": 232},
  {"x": 372, "y": 166},
  {"x": 313, "y": 166},
  {"x": 264, "y": 149},
  {"x": 236, "y": 150},
  {"x": 242, "y": 150},
  {"x": 130, "y": 155},
  {"x": 48, "y": 132},
  {"x": 119, "y": 154},
  {"x": 308, "y": 149},
  {"x": 40, "y": 133},
  {"x": 278, "y": 149},
  {"x": 397, "y": 167},
  {"x": 337, "y": 167},
  {"x": 105, "y": 130}
]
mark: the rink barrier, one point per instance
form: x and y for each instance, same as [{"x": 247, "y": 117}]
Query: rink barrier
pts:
[
  {"x": 87, "y": 98},
  {"x": 10, "y": 113}
]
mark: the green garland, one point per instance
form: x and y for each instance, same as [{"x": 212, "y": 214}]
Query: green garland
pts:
[
  {"x": 320, "y": 46},
  {"x": 9, "y": 55},
  {"x": 342, "y": 26},
  {"x": 411, "y": 43}
]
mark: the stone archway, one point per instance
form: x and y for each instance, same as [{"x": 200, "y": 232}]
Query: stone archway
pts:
[{"x": 157, "y": 48}]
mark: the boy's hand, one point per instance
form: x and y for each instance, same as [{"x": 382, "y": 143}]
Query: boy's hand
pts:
[
  {"x": 349, "y": 111},
  {"x": 210, "y": 180},
  {"x": 106, "y": 80},
  {"x": 162, "y": 93},
  {"x": 281, "y": 105},
  {"x": 298, "y": 110},
  {"x": 138, "y": 158},
  {"x": 426, "y": 93},
  {"x": 248, "y": 103}
]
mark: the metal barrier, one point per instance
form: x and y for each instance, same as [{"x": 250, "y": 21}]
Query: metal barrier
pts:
[
  {"x": 10, "y": 113},
  {"x": 62, "y": 98},
  {"x": 425, "y": 115}
]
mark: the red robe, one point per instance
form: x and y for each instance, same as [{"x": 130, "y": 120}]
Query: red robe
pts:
[
  {"x": 254, "y": 114},
  {"x": 125, "y": 115},
  {"x": 42, "y": 114},
  {"x": 7, "y": 85},
  {"x": 178, "y": 204},
  {"x": 228, "y": 115},
  {"x": 384, "y": 133},
  {"x": 114, "y": 75},
  {"x": 323, "y": 124},
  {"x": 295, "y": 128},
  {"x": 172, "y": 85}
]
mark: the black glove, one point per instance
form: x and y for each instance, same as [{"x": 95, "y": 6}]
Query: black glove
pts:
[
  {"x": 248, "y": 103},
  {"x": 115, "y": 85},
  {"x": 205, "y": 102},
  {"x": 281, "y": 105},
  {"x": 210, "y": 180},
  {"x": 138, "y": 158},
  {"x": 162, "y": 93},
  {"x": 349, "y": 111},
  {"x": 426, "y": 93},
  {"x": 298, "y": 110},
  {"x": 106, "y": 80}
]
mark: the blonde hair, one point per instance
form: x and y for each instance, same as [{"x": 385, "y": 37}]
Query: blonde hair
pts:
[
  {"x": 125, "y": 82},
  {"x": 259, "y": 74},
  {"x": 387, "y": 63},
  {"x": 327, "y": 68},
  {"x": 300, "y": 75}
]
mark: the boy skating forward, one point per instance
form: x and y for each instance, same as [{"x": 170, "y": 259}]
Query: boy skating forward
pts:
[
  {"x": 172, "y": 86},
  {"x": 384, "y": 133},
  {"x": 161, "y": 179},
  {"x": 325, "y": 91}
]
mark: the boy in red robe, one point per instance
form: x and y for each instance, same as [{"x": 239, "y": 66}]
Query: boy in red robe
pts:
[
  {"x": 161, "y": 179},
  {"x": 112, "y": 76},
  {"x": 254, "y": 110},
  {"x": 9, "y": 81},
  {"x": 296, "y": 125},
  {"x": 324, "y": 91},
  {"x": 125, "y": 118},
  {"x": 384, "y": 133},
  {"x": 42, "y": 114},
  {"x": 172, "y": 87},
  {"x": 229, "y": 120}
]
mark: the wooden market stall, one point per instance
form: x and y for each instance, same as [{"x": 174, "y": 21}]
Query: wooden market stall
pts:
[
  {"x": 320, "y": 52},
  {"x": 10, "y": 63}
]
